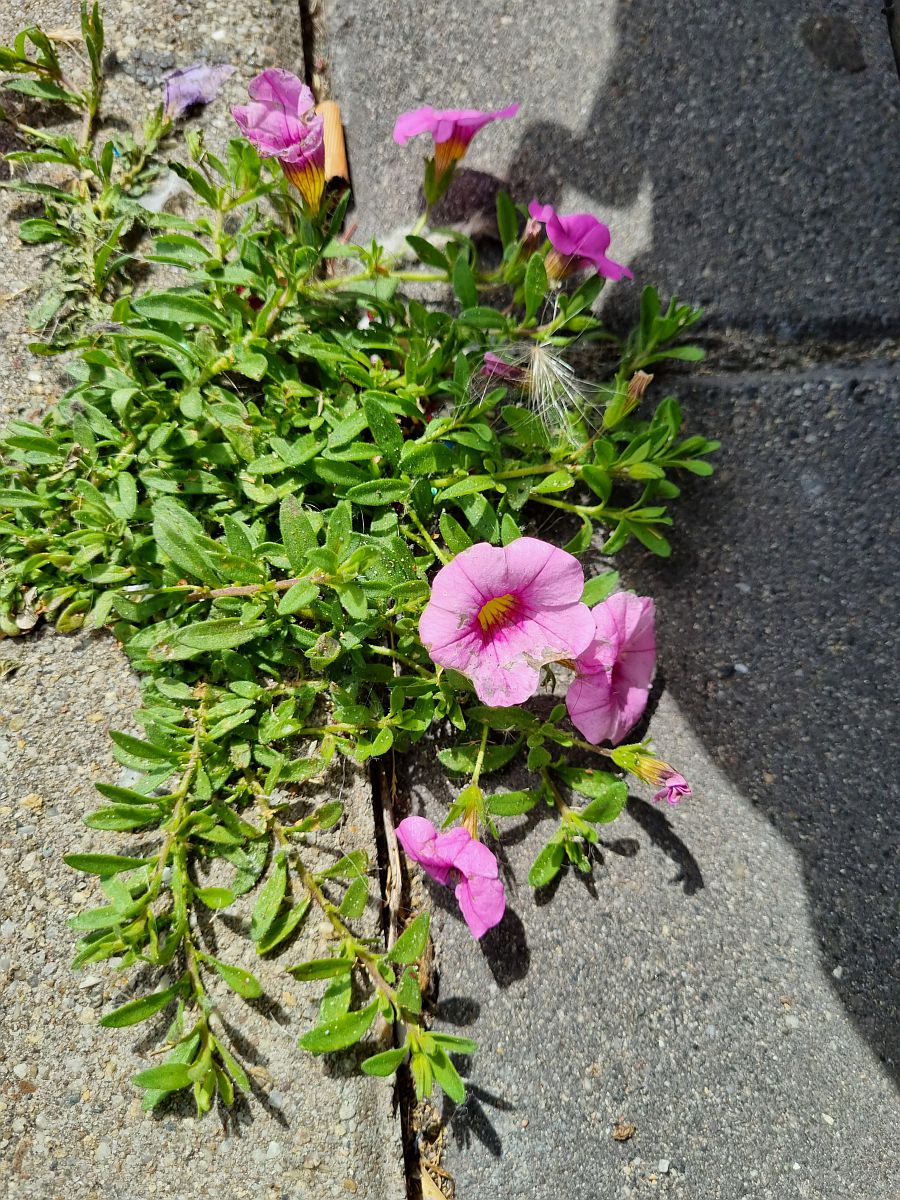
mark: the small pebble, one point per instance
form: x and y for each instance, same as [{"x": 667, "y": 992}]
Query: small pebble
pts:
[
  {"x": 792, "y": 1022},
  {"x": 663, "y": 1166},
  {"x": 741, "y": 669}
]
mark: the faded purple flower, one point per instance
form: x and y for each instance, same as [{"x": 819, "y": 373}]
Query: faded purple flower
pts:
[
  {"x": 674, "y": 786},
  {"x": 497, "y": 614},
  {"x": 199, "y": 84},
  {"x": 495, "y": 368},
  {"x": 613, "y": 676},
  {"x": 282, "y": 123},
  {"x": 457, "y": 856},
  {"x": 579, "y": 242},
  {"x": 451, "y": 129}
]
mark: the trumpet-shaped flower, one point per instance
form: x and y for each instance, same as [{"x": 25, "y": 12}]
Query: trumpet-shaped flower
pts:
[
  {"x": 451, "y": 130},
  {"x": 578, "y": 242},
  {"x": 281, "y": 122},
  {"x": 613, "y": 677},
  {"x": 659, "y": 774},
  {"x": 188, "y": 86},
  {"x": 456, "y": 857},
  {"x": 497, "y": 614}
]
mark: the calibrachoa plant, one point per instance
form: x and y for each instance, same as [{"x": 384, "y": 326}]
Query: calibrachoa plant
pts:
[{"x": 304, "y": 504}]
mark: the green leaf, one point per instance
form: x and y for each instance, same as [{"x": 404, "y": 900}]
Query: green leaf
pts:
[
  {"x": 341, "y": 1032},
  {"x": 447, "y": 1075},
  {"x": 378, "y": 492},
  {"x": 507, "y": 219},
  {"x": 215, "y": 897},
  {"x": 269, "y": 900},
  {"x": 600, "y": 587},
  {"x": 466, "y": 487},
  {"x": 169, "y": 1077},
  {"x": 182, "y": 1054},
  {"x": 535, "y": 285},
  {"x": 296, "y": 532},
  {"x": 462, "y": 758},
  {"x": 220, "y": 633},
  {"x": 179, "y": 308},
  {"x": 385, "y": 1063},
  {"x": 594, "y": 784},
  {"x": 239, "y": 980},
  {"x": 546, "y": 866},
  {"x": 411, "y": 943},
  {"x": 607, "y": 807},
  {"x": 512, "y": 804},
  {"x": 454, "y": 1043},
  {"x": 320, "y": 968},
  {"x": 121, "y": 817},
  {"x": 140, "y": 1010},
  {"x": 464, "y": 282},
  {"x": 351, "y": 866},
  {"x": 104, "y": 864},
  {"x": 384, "y": 427},
  {"x": 354, "y": 903},
  {"x": 453, "y": 534},
  {"x": 427, "y": 253},
  {"x": 283, "y": 926},
  {"x": 301, "y": 595}
]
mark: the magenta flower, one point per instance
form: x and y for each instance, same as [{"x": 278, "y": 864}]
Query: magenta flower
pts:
[
  {"x": 613, "y": 676},
  {"x": 579, "y": 242},
  {"x": 456, "y": 855},
  {"x": 493, "y": 367},
  {"x": 188, "y": 86},
  {"x": 451, "y": 129},
  {"x": 281, "y": 122},
  {"x": 497, "y": 614},
  {"x": 674, "y": 786}
]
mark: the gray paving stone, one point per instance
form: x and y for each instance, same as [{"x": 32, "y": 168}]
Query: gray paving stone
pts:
[
  {"x": 745, "y": 156},
  {"x": 726, "y": 980}
]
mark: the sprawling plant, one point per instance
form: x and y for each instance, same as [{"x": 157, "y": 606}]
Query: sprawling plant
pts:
[{"x": 249, "y": 482}]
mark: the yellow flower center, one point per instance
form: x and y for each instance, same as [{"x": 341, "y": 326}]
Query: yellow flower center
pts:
[{"x": 495, "y": 612}]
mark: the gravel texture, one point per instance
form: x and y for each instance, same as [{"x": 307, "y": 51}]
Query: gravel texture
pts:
[
  {"x": 69, "y": 1117},
  {"x": 726, "y": 979},
  {"x": 744, "y": 156}
]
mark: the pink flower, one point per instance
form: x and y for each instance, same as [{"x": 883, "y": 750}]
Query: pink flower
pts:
[
  {"x": 493, "y": 367},
  {"x": 497, "y": 614},
  {"x": 281, "y": 122},
  {"x": 579, "y": 242},
  {"x": 451, "y": 129},
  {"x": 613, "y": 679},
  {"x": 456, "y": 855},
  {"x": 674, "y": 786},
  {"x": 188, "y": 86}
]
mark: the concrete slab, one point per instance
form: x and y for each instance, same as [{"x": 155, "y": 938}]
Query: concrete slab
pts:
[
  {"x": 726, "y": 980},
  {"x": 69, "y": 1117},
  {"x": 744, "y": 156}
]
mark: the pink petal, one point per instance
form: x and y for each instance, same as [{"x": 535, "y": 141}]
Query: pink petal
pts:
[
  {"x": 434, "y": 851},
  {"x": 483, "y": 903},
  {"x": 277, "y": 86},
  {"x": 541, "y": 212},
  {"x": 591, "y": 708},
  {"x": 474, "y": 858},
  {"x": 198, "y": 84}
]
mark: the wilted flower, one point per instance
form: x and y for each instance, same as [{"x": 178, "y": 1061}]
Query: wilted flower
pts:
[
  {"x": 579, "y": 242},
  {"x": 638, "y": 384},
  {"x": 457, "y": 856},
  {"x": 188, "y": 86},
  {"x": 497, "y": 614},
  {"x": 451, "y": 129},
  {"x": 281, "y": 122},
  {"x": 646, "y": 766},
  {"x": 613, "y": 676}
]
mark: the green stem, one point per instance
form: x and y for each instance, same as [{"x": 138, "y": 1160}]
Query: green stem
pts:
[
  {"x": 405, "y": 659},
  {"x": 479, "y": 760},
  {"x": 432, "y": 544}
]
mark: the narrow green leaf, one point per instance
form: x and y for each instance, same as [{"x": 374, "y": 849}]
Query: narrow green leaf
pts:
[
  {"x": 140, "y": 1010},
  {"x": 104, "y": 864},
  {"x": 411, "y": 943},
  {"x": 341, "y": 1032},
  {"x": 385, "y": 1063},
  {"x": 168, "y": 1077},
  {"x": 598, "y": 588},
  {"x": 535, "y": 285},
  {"x": 269, "y": 900},
  {"x": 239, "y": 980},
  {"x": 320, "y": 968},
  {"x": 353, "y": 904},
  {"x": 546, "y": 866}
]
